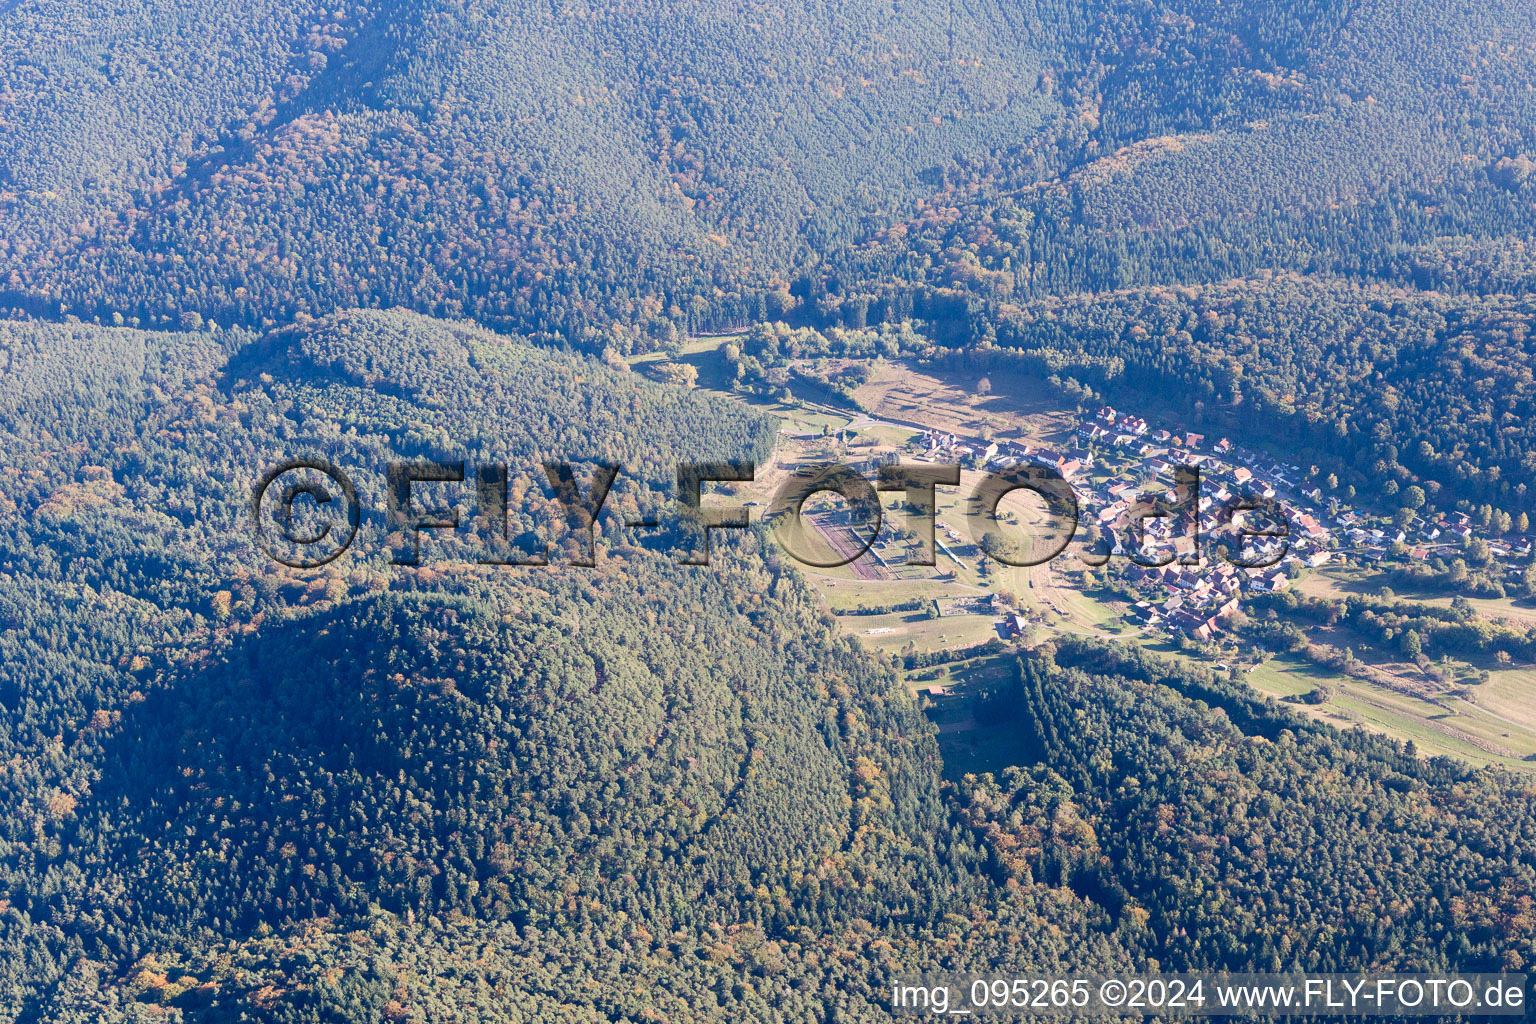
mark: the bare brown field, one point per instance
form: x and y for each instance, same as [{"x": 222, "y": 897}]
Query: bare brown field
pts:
[{"x": 943, "y": 401}]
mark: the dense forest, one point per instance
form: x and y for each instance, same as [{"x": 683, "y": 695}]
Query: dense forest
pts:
[
  {"x": 1382, "y": 388},
  {"x": 371, "y": 792},
  {"x": 223, "y": 776},
  {"x": 610, "y": 178},
  {"x": 432, "y": 230},
  {"x": 584, "y": 172},
  {"x": 1248, "y": 840}
]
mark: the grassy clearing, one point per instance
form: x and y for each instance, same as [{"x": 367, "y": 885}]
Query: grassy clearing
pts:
[
  {"x": 895, "y": 437},
  {"x": 1510, "y": 693},
  {"x": 969, "y": 740},
  {"x": 1092, "y": 610},
  {"x": 1445, "y": 726},
  {"x": 892, "y": 633},
  {"x": 1287, "y": 676},
  {"x": 988, "y": 749}
]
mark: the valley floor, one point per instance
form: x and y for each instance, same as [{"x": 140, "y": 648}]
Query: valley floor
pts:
[{"x": 943, "y": 630}]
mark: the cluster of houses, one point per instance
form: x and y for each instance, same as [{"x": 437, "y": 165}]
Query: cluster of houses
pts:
[
  {"x": 1143, "y": 511},
  {"x": 1428, "y": 537},
  {"x": 1194, "y": 594},
  {"x": 937, "y": 445},
  {"x": 1198, "y": 603}
]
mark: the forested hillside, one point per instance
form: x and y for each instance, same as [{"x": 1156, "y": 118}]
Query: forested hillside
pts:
[
  {"x": 610, "y": 178},
  {"x": 592, "y": 171},
  {"x": 366, "y": 793},
  {"x": 1384, "y": 388},
  {"x": 536, "y": 166},
  {"x": 236, "y": 234},
  {"x": 222, "y": 776},
  {"x": 1249, "y": 840}
]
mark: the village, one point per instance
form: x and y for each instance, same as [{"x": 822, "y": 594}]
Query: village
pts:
[
  {"x": 1150, "y": 565},
  {"x": 1134, "y": 506}
]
